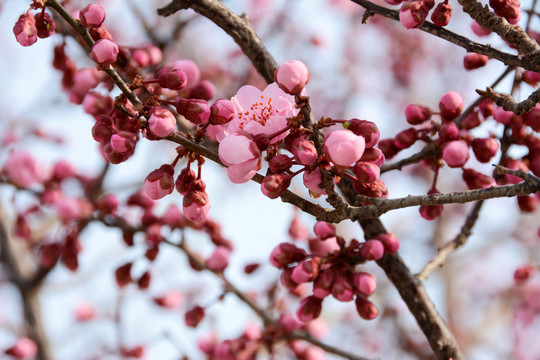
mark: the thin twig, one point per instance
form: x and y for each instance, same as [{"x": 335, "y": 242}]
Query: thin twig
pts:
[{"x": 450, "y": 247}]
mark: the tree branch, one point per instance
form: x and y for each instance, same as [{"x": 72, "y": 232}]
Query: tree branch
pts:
[
  {"x": 237, "y": 27},
  {"x": 450, "y": 247},
  {"x": 528, "y": 63}
]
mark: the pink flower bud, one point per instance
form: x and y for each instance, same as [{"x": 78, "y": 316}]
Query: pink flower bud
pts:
[
  {"x": 372, "y": 250},
  {"x": 297, "y": 230},
  {"x": 531, "y": 77},
  {"x": 191, "y": 70},
  {"x": 479, "y": 30},
  {"x": 365, "y": 308},
  {"x": 417, "y": 114},
  {"x": 376, "y": 189},
  {"x": 159, "y": 182},
  {"x": 342, "y": 290},
  {"x": 389, "y": 241},
  {"x": 221, "y": 112},
  {"x": 313, "y": 181},
  {"x": 289, "y": 322},
  {"x": 527, "y": 204},
  {"x": 285, "y": 254},
  {"x": 324, "y": 230},
  {"x": 92, "y": 16},
  {"x": 287, "y": 282},
  {"x": 144, "y": 281},
  {"x": 485, "y": 148},
  {"x": 24, "y": 348},
  {"x": 275, "y": 185},
  {"x": 194, "y": 316},
  {"x": 366, "y": 129},
  {"x": 196, "y": 111},
  {"x": 532, "y": 118},
  {"x": 323, "y": 247},
  {"x": 204, "y": 90},
  {"x": 414, "y": 12},
  {"x": 343, "y": 147},
  {"x": 96, "y": 104},
  {"x": 451, "y": 105},
  {"x": 44, "y": 25},
  {"x": 366, "y": 172},
  {"x": 104, "y": 52},
  {"x": 431, "y": 212},
  {"x": 292, "y": 76},
  {"x": 405, "y": 139},
  {"x": 388, "y": 148},
  {"x": 303, "y": 151},
  {"x": 162, "y": 122},
  {"x": 84, "y": 312},
  {"x": 25, "y": 30},
  {"x": 309, "y": 309},
  {"x": 473, "y": 61},
  {"x": 170, "y": 300},
  {"x": 219, "y": 260},
  {"x": 137, "y": 352},
  {"x": 123, "y": 142},
  {"x": 373, "y": 155},
  {"x": 174, "y": 79},
  {"x": 280, "y": 163},
  {"x": 448, "y": 131},
  {"x": 306, "y": 271},
  {"x": 195, "y": 204},
  {"x": 502, "y": 116},
  {"x": 456, "y": 153},
  {"x": 471, "y": 121},
  {"x": 123, "y": 275},
  {"x": 322, "y": 287},
  {"x": 184, "y": 180},
  {"x": 107, "y": 204},
  {"x": 442, "y": 14},
  {"x": 364, "y": 283},
  {"x": 476, "y": 180}
]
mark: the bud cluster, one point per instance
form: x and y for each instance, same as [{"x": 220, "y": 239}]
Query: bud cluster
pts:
[{"x": 330, "y": 267}]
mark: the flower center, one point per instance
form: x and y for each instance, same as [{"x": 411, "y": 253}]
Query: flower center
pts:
[{"x": 259, "y": 112}]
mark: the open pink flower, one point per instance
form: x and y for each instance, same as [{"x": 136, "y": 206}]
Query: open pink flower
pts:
[
  {"x": 262, "y": 112},
  {"x": 242, "y": 157}
]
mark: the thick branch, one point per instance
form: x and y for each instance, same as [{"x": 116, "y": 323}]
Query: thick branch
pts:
[
  {"x": 28, "y": 288},
  {"x": 236, "y": 26}
]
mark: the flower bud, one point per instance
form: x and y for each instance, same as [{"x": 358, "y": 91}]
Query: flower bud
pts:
[
  {"x": 303, "y": 151},
  {"x": 191, "y": 70},
  {"x": 161, "y": 122},
  {"x": 324, "y": 230},
  {"x": 309, "y": 309},
  {"x": 474, "y": 61},
  {"x": 92, "y": 16},
  {"x": 456, "y": 153},
  {"x": 342, "y": 290},
  {"x": 292, "y": 76},
  {"x": 479, "y": 30},
  {"x": 364, "y": 283},
  {"x": 174, "y": 79},
  {"x": 170, "y": 300},
  {"x": 502, "y": 116},
  {"x": 195, "y": 204},
  {"x": 476, "y": 180},
  {"x": 123, "y": 275},
  {"x": 451, "y": 105},
  {"x": 184, "y": 180},
  {"x": 448, "y": 131},
  {"x": 373, "y": 155},
  {"x": 343, "y": 147},
  {"x": 366, "y": 172},
  {"x": 471, "y": 121},
  {"x": 159, "y": 182},
  {"x": 280, "y": 163},
  {"x": 405, "y": 139},
  {"x": 442, "y": 14},
  {"x": 431, "y": 212},
  {"x": 204, "y": 90},
  {"x": 219, "y": 260},
  {"x": 285, "y": 254},
  {"x": 221, "y": 112},
  {"x": 522, "y": 274},
  {"x": 196, "y": 111},
  {"x": 313, "y": 181},
  {"x": 389, "y": 241},
  {"x": 123, "y": 142},
  {"x": 372, "y": 250},
  {"x": 365, "y": 308},
  {"x": 104, "y": 52},
  {"x": 306, "y": 271},
  {"x": 194, "y": 316},
  {"x": 485, "y": 149},
  {"x": 417, "y": 114},
  {"x": 322, "y": 286},
  {"x": 24, "y": 348},
  {"x": 44, "y": 25},
  {"x": 366, "y": 129}
]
